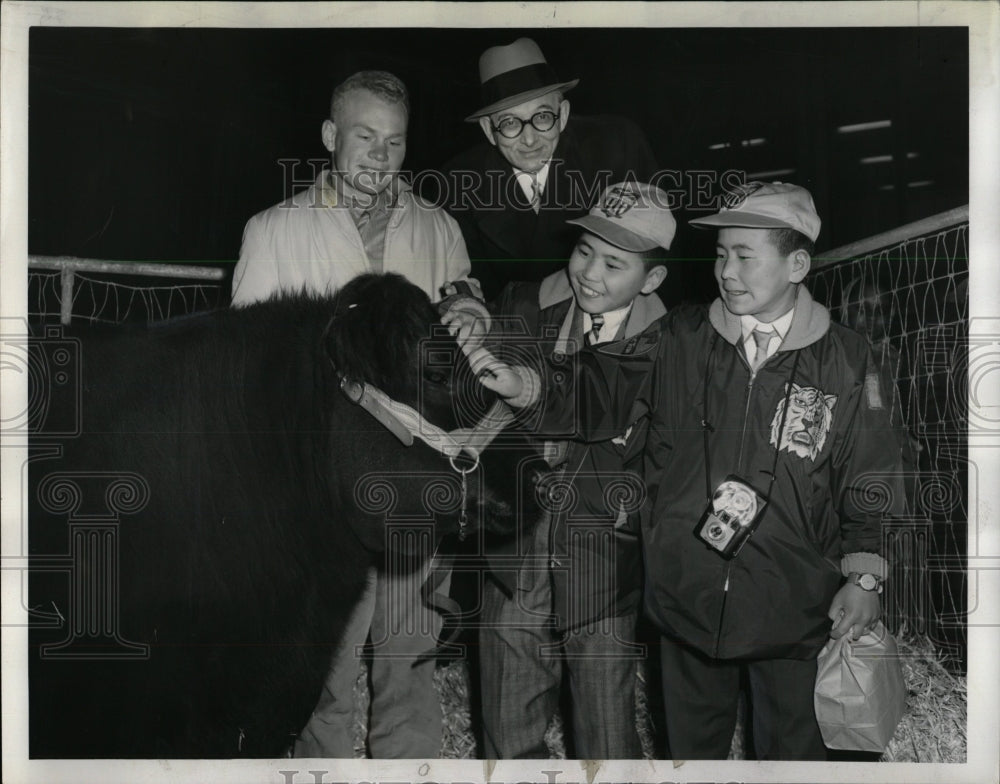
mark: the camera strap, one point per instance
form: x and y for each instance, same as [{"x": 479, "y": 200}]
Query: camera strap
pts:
[{"x": 706, "y": 426}]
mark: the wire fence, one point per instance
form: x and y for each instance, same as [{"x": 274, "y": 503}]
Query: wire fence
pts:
[{"x": 908, "y": 292}]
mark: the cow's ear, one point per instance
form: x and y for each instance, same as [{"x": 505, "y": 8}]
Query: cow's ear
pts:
[{"x": 329, "y": 135}]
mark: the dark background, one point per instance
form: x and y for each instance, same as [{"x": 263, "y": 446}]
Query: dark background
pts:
[{"x": 159, "y": 143}]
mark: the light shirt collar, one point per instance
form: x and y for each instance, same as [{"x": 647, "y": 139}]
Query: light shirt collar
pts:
[
  {"x": 524, "y": 179},
  {"x": 613, "y": 320},
  {"x": 780, "y": 326},
  {"x": 337, "y": 191}
]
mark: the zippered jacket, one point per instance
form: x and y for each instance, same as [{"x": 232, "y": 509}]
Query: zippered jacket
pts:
[{"x": 837, "y": 474}]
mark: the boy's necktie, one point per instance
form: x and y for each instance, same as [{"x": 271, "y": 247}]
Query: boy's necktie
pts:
[
  {"x": 762, "y": 339},
  {"x": 596, "y": 322}
]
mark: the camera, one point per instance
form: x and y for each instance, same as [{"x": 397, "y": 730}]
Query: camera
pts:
[
  {"x": 51, "y": 365},
  {"x": 731, "y": 517}
]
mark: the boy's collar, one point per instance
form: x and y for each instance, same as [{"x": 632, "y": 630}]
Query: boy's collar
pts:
[
  {"x": 780, "y": 325},
  {"x": 810, "y": 322},
  {"x": 618, "y": 313},
  {"x": 612, "y": 319},
  {"x": 554, "y": 289}
]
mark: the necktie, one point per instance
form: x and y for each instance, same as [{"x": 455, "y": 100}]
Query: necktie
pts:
[
  {"x": 536, "y": 193},
  {"x": 362, "y": 223},
  {"x": 761, "y": 338},
  {"x": 596, "y": 322}
]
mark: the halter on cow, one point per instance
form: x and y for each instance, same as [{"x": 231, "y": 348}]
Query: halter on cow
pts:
[{"x": 406, "y": 424}]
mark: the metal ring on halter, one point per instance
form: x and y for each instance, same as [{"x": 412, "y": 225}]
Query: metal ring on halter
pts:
[{"x": 475, "y": 464}]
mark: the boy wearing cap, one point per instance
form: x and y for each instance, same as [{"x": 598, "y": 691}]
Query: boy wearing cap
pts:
[
  {"x": 766, "y": 417},
  {"x": 571, "y": 601}
]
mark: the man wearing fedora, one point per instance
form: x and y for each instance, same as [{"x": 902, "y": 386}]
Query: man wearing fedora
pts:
[{"x": 538, "y": 168}]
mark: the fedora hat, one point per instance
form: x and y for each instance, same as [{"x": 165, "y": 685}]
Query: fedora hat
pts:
[{"x": 513, "y": 74}]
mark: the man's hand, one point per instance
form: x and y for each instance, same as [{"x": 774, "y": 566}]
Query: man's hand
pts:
[
  {"x": 853, "y": 610},
  {"x": 467, "y": 325}
]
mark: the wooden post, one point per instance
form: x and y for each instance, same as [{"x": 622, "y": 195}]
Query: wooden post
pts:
[{"x": 66, "y": 304}]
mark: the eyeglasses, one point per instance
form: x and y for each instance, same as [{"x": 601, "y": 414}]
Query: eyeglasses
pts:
[{"x": 511, "y": 127}]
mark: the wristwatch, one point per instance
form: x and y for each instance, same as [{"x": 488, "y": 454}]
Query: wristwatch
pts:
[{"x": 868, "y": 582}]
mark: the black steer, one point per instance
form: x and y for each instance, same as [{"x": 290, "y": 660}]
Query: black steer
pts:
[{"x": 198, "y": 546}]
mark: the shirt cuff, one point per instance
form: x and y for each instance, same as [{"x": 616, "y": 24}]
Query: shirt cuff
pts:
[{"x": 864, "y": 563}]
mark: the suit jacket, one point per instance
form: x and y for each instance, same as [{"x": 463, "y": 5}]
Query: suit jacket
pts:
[{"x": 506, "y": 239}]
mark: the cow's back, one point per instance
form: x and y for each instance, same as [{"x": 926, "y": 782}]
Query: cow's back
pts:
[{"x": 204, "y": 445}]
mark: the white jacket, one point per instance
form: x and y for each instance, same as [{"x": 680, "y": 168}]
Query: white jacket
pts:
[{"x": 308, "y": 242}]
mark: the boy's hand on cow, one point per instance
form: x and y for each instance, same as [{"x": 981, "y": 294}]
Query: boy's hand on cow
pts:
[
  {"x": 853, "y": 610},
  {"x": 495, "y": 374},
  {"x": 519, "y": 386}
]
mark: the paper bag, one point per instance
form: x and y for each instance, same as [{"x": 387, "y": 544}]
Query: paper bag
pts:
[{"x": 860, "y": 692}]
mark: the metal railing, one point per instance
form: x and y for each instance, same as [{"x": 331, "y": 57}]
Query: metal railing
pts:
[{"x": 69, "y": 266}]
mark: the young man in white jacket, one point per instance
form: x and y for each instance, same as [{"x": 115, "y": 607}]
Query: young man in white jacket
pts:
[{"x": 359, "y": 217}]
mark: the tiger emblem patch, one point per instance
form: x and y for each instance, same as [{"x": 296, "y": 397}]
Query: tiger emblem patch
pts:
[{"x": 810, "y": 417}]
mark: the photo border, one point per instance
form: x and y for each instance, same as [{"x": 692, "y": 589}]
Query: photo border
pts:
[{"x": 983, "y": 21}]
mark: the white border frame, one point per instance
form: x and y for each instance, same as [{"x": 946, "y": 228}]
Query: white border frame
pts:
[{"x": 983, "y": 20}]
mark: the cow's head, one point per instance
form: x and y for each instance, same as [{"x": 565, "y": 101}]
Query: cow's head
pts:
[
  {"x": 374, "y": 337},
  {"x": 386, "y": 333}
]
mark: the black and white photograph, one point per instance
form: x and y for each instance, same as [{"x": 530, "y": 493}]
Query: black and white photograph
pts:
[{"x": 503, "y": 392}]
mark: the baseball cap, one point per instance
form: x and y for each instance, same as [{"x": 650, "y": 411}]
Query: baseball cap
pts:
[
  {"x": 632, "y": 216},
  {"x": 766, "y": 205}
]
